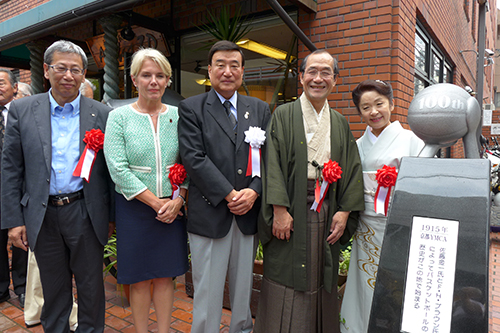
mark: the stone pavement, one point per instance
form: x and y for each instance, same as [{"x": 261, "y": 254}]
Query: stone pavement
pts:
[{"x": 119, "y": 318}]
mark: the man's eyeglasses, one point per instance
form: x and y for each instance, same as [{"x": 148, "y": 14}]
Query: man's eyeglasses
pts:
[
  {"x": 62, "y": 70},
  {"x": 322, "y": 74}
]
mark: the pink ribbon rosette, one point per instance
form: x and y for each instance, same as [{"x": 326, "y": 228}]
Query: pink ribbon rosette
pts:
[
  {"x": 177, "y": 174},
  {"x": 386, "y": 179},
  {"x": 94, "y": 140},
  {"x": 255, "y": 137},
  {"x": 331, "y": 173}
]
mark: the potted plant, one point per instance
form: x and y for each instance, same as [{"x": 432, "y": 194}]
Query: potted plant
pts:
[{"x": 344, "y": 261}]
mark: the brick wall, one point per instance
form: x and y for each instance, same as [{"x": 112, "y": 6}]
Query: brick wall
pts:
[
  {"x": 371, "y": 39},
  {"x": 25, "y": 76},
  {"x": 11, "y": 8},
  {"x": 376, "y": 40}
]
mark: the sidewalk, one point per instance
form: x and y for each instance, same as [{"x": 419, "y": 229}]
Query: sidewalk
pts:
[
  {"x": 119, "y": 318},
  {"x": 118, "y": 314}
]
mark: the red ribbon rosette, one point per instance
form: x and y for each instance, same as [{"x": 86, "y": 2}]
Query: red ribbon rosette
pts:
[
  {"x": 331, "y": 173},
  {"x": 386, "y": 179},
  {"x": 94, "y": 140},
  {"x": 177, "y": 174},
  {"x": 386, "y": 176}
]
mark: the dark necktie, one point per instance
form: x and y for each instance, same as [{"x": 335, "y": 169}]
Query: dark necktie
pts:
[
  {"x": 232, "y": 118},
  {"x": 2, "y": 124}
]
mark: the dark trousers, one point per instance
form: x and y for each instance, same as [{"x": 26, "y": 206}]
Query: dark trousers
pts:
[
  {"x": 19, "y": 267},
  {"x": 67, "y": 245}
]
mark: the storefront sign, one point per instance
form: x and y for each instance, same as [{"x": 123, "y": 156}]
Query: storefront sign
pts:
[
  {"x": 487, "y": 117},
  {"x": 430, "y": 276},
  {"x": 495, "y": 129},
  {"x": 143, "y": 38}
]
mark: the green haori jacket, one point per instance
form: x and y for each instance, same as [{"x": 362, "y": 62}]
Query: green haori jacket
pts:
[{"x": 285, "y": 184}]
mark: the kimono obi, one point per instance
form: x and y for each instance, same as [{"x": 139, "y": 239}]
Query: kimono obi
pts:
[{"x": 370, "y": 186}]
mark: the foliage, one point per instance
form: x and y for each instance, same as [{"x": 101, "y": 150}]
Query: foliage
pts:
[
  {"x": 282, "y": 66},
  {"x": 342, "y": 322},
  {"x": 110, "y": 255},
  {"x": 260, "y": 252},
  {"x": 223, "y": 27},
  {"x": 345, "y": 259}
]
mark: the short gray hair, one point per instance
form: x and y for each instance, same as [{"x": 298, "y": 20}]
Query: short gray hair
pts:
[
  {"x": 335, "y": 68},
  {"x": 12, "y": 77},
  {"x": 85, "y": 84},
  {"x": 24, "y": 89},
  {"x": 64, "y": 46}
]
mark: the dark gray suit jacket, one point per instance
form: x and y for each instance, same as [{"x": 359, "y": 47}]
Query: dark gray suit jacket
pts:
[
  {"x": 26, "y": 165},
  {"x": 216, "y": 161}
]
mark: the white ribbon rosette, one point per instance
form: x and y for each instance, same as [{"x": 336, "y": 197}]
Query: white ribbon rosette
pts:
[{"x": 255, "y": 137}]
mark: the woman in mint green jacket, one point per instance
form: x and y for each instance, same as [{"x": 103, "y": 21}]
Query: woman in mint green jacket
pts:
[{"x": 140, "y": 146}]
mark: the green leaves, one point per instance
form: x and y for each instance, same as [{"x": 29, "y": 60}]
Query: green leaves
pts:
[{"x": 223, "y": 27}]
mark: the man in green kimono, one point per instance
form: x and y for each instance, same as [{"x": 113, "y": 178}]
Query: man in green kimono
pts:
[{"x": 301, "y": 246}]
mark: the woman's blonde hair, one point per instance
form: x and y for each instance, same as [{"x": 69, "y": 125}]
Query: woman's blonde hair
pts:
[{"x": 141, "y": 55}]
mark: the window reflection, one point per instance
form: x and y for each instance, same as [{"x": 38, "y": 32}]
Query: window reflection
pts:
[
  {"x": 436, "y": 68},
  {"x": 265, "y": 67},
  {"x": 419, "y": 53},
  {"x": 419, "y": 85},
  {"x": 431, "y": 65}
]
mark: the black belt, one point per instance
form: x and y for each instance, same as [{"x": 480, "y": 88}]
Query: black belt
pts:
[{"x": 65, "y": 199}]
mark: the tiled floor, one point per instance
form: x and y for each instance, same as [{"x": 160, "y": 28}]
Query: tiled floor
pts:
[
  {"x": 119, "y": 319},
  {"x": 118, "y": 314}
]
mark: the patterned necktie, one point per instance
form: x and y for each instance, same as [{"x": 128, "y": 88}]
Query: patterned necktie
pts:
[
  {"x": 232, "y": 118},
  {"x": 2, "y": 124}
]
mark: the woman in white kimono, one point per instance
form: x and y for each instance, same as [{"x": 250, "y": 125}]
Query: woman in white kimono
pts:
[{"x": 383, "y": 143}]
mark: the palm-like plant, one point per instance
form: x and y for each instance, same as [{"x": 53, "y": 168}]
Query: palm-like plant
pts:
[{"x": 223, "y": 27}]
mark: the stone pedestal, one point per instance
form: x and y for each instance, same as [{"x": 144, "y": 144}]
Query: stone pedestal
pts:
[{"x": 445, "y": 189}]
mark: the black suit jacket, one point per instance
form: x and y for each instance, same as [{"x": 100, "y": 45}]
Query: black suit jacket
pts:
[
  {"x": 26, "y": 165},
  {"x": 216, "y": 161}
]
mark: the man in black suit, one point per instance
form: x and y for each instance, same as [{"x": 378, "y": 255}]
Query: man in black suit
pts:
[
  {"x": 223, "y": 199},
  {"x": 8, "y": 91},
  {"x": 62, "y": 218}
]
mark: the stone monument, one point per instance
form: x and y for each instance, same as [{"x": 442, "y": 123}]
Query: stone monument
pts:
[{"x": 433, "y": 271}]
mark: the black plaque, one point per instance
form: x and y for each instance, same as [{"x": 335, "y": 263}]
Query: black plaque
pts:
[{"x": 449, "y": 189}]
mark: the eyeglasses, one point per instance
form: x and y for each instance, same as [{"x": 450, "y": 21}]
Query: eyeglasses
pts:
[
  {"x": 62, "y": 70},
  {"x": 322, "y": 74}
]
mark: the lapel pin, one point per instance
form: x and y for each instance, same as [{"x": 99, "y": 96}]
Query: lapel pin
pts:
[
  {"x": 93, "y": 114},
  {"x": 246, "y": 115}
]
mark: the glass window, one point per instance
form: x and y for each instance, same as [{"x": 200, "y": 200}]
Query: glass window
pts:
[
  {"x": 265, "y": 48},
  {"x": 447, "y": 74},
  {"x": 431, "y": 65},
  {"x": 420, "y": 53},
  {"x": 419, "y": 85},
  {"x": 436, "y": 68}
]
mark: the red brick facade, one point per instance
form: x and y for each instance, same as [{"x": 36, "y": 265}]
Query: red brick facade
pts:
[
  {"x": 376, "y": 39},
  {"x": 371, "y": 39},
  {"x": 11, "y": 8}
]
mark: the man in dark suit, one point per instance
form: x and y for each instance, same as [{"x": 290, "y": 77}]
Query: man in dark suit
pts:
[
  {"x": 8, "y": 91},
  {"x": 223, "y": 199},
  {"x": 63, "y": 219}
]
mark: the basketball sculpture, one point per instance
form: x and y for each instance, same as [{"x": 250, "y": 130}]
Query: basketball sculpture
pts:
[{"x": 443, "y": 113}]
